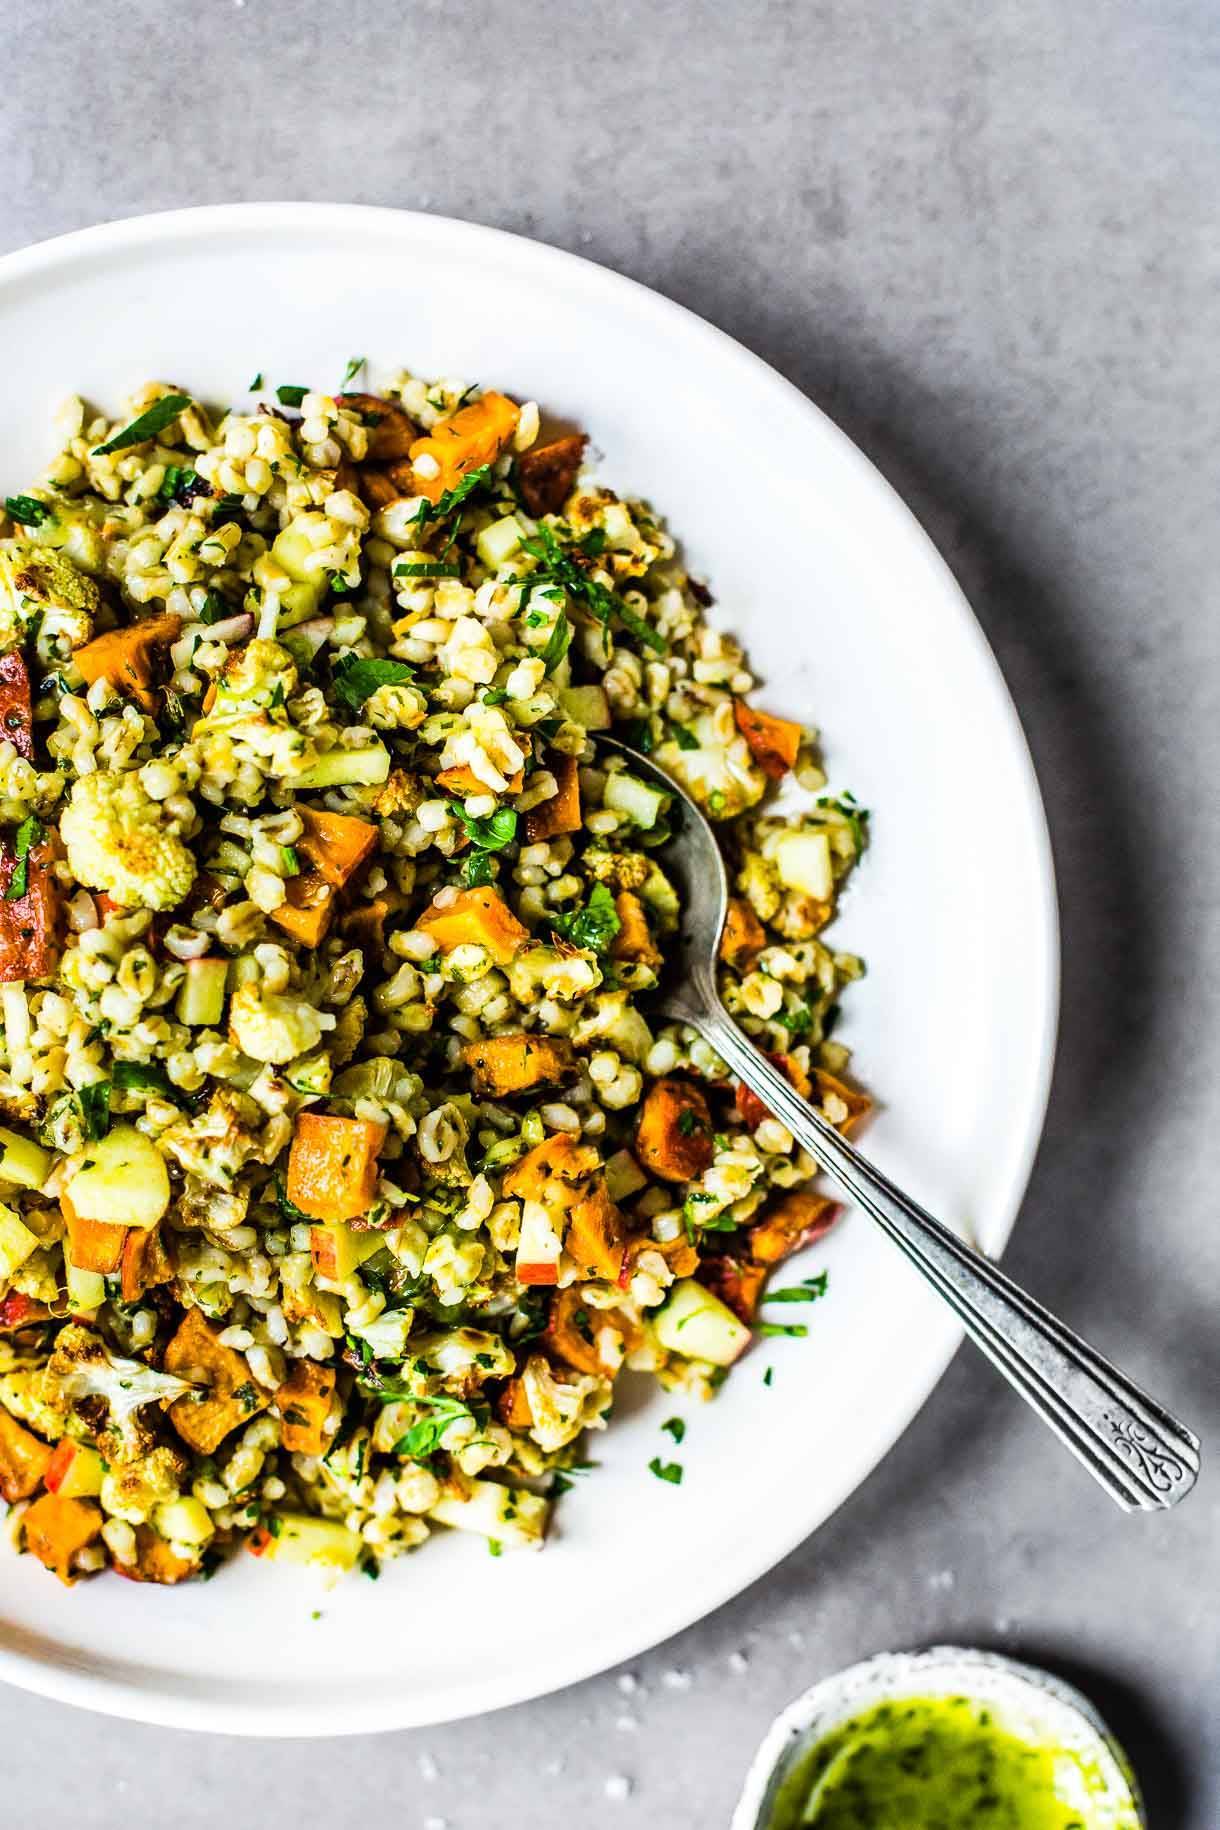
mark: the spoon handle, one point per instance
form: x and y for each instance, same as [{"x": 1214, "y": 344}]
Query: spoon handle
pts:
[{"x": 1141, "y": 1455}]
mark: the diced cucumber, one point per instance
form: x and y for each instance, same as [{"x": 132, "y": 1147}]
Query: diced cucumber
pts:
[
  {"x": 510, "y": 1516},
  {"x": 641, "y": 803},
  {"x": 803, "y": 862},
  {"x": 339, "y": 1250},
  {"x": 697, "y": 1325},
  {"x": 201, "y": 999},
  {"x": 624, "y": 1176},
  {"x": 16, "y": 1243},
  {"x": 22, "y": 1161},
  {"x": 184, "y": 1521},
  {"x": 587, "y": 705},
  {"x": 86, "y": 1289},
  {"x": 499, "y": 542},
  {"x": 296, "y": 1537},
  {"x": 124, "y": 1180},
  {"x": 364, "y": 766}
]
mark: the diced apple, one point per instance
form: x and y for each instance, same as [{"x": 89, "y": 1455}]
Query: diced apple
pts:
[
  {"x": 86, "y": 1289},
  {"x": 75, "y": 1470},
  {"x": 338, "y": 1251},
  {"x": 22, "y": 1161},
  {"x": 538, "y": 1248},
  {"x": 499, "y": 542},
  {"x": 803, "y": 862},
  {"x": 201, "y": 1000},
  {"x": 697, "y": 1325},
  {"x": 511, "y": 1516},
  {"x": 123, "y": 1182},
  {"x": 184, "y": 1521},
  {"x": 587, "y": 705},
  {"x": 296, "y": 1537},
  {"x": 16, "y": 1243}
]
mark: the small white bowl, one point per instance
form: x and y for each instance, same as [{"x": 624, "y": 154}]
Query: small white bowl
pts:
[{"x": 1027, "y": 1701}]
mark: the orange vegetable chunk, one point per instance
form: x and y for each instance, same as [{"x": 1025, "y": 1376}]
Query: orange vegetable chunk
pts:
[
  {"x": 155, "y": 1560},
  {"x": 57, "y": 1529},
  {"x": 743, "y": 936},
  {"x": 468, "y": 439},
  {"x": 552, "y": 1171},
  {"x": 562, "y": 812},
  {"x": 461, "y": 779},
  {"x": 546, "y": 474},
  {"x": 303, "y": 1401},
  {"x": 93, "y": 1245},
  {"x": 501, "y": 1065},
  {"x": 773, "y": 742},
  {"x": 24, "y": 1459},
  {"x": 143, "y": 1262},
  {"x": 480, "y": 915},
  {"x": 307, "y": 912},
  {"x": 673, "y": 1137},
  {"x": 228, "y": 1395},
  {"x": 596, "y": 1234},
  {"x": 634, "y": 940},
  {"x": 797, "y": 1218},
  {"x": 336, "y": 843},
  {"x": 332, "y": 1165},
  {"x": 124, "y": 657}
]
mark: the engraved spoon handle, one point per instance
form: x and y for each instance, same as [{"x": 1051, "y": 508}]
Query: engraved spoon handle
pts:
[{"x": 1141, "y": 1455}]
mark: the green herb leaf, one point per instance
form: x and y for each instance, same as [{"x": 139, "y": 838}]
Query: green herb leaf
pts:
[
  {"x": 491, "y": 833},
  {"x": 256, "y": 384},
  {"x": 593, "y": 927},
  {"x": 147, "y": 425},
  {"x": 639, "y": 734},
  {"x": 684, "y": 738},
  {"x": 356, "y": 679},
  {"x": 676, "y": 1427},
  {"x": 558, "y": 643},
  {"x": 137, "y": 1076},
  {"x": 452, "y": 499},
  {"x": 95, "y": 1109},
  {"x": 851, "y": 810},
  {"x": 773, "y": 1330},
  {"x": 670, "y": 1471},
  {"x": 427, "y": 568},
  {"x": 29, "y": 834},
  {"x": 27, "y": 509},
  {"x": 478, "y": 869},
  {"x": 354, "y": 366},
  {"x": 496, "y": 695},
  {"x": 495, "y": 1548},
  {"x": 423, "y": 1438},
  {"x": 290, "y": 863},
  {"x": 768, "y": 1375},
  {"x": 177, "y": 476},
  {"x": 289, "y": 396},
  {"x": 806, "y": 1292}
]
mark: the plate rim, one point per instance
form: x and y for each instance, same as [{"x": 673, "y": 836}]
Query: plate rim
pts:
[{"x": 68, "y": 1680}]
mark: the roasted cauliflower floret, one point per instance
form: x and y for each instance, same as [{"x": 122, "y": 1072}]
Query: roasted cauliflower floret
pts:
[
  {"x": 270, "y": 1027},
  {"x": 720, "y": 774},
  {"x": 36, "y": 579},
  {"x": 561, "y": 1409},
  {"x": 122, "y": 841},
  {"x": 85, "y": 1380},
  {"x": 134, "y": 1490}
]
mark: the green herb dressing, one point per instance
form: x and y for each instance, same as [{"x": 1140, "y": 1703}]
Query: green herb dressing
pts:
[{"x": 943, "y": 1763}]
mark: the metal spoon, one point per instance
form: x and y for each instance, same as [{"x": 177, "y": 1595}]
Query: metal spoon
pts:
[{"x": 1141, "y": 1455}]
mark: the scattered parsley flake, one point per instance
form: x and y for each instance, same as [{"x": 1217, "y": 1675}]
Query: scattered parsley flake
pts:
[
  {"x": 594, "y": 926},
  {"x": 675, "y": 1427},
  {"x": 670, "y": 1471},
  {"x": 290, "y": 396},
  {"x": 795, "y": 1331},
  {"x": 354, "y": 366},
  {"x": 356, "y": 678},
  {"x": 27, "y": 509},
  {"x": 29, "y": 834},
  {"x": 146, "y": 425}
]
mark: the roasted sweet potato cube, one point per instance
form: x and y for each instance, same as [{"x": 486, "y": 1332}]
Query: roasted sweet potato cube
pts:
[
  {"x": 336, "y": 843},
  {"x": 332, "y": 1165},
  {"x": 751, "y": 1107},
  {"x": 16, "y": 710},
  {"x": 574, "y": 1330},
  {"x": 679, "y": 1254},
  {"x": 512, "y": 1405},
  {"x": 93, "y": 1245},
  {"x": 307, "y": 913},
  {"x": 143, "y": 1263},
  {"x": 480, "y": 915},
  {"x": 155, "y": 1560},
  {"x": 737, "y": 1282},
  {"x": 673, "y": 1137},
  {"x": 553, "y": 1171},
  {"x": 796, "y": 1219},
  {"x": 227, "y": 1396},
  {"x": 845, "y": 1106},
  {"x": 462, "y": 780},
  {"x": 57, "y": 1529},
  {"x": 596, "y": 1233},
  {"x": 24, "y": 1459},
  {"x": 501, "y": 1065},
  {"x": 744, "y": 936},
  {"x": 546, "y": 474},
  {"x": 773, "y": 742},
  {"x": 391, "y": 433},
  {"x": 634, "y": 940},
  {"x": 27, "y": 923},
  {"x": 468, "y": 439},
  {"x": 562, "y": 812},
  {"x": 125, "y": 657},
  {"x": 365, "y": 924},
  {"x": 303, "y": 1401}
]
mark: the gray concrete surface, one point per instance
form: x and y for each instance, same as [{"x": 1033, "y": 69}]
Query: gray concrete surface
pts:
[{"x": 984, "y": 237}]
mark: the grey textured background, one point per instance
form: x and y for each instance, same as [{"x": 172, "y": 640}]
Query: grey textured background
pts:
[{"x": 984, "y": 237}]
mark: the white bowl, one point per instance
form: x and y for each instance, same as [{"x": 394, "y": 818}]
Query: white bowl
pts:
[
  {"x": 854, "y": 621},
  {"x": 1029, "y": 1703}
]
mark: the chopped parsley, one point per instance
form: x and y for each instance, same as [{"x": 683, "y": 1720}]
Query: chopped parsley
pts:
[
  {"x": 354, "y": 366},
  {"x": 595, "y": 925},
  {"x": 557, "y": 644},
  {"x": 290, "y": 396},
  {"x": 494, "y": 1547},
  {"x": 675, "y": 1427},
  {"x": 95, "y": 1109},
  {"x": 683, "y": 737},
  {"x": 478, "y": 869},
  {"x": 851, "y": 810},
  {"x": 27, "y": 509},
  {"x": 452, "y": 499},
  {"x": 177, "y": 477},
  {"x": 768, "y": 1375},
  {"x": 670, "y": 1471},
  {"x": 356, "y": 679},
  {"x": 29, "y": 834},
  {"x": 806, "y": 1292},
  {"x": 256, "y": 384},
  {"x": 427, "y": 568},
  {"x": 775, "y": 1330},
  {"x": 557, "y": 566},
  {"x": 140, "y": 1077},
  {"x": 147, "y": 425},
  {"x": 423, "y": 1438}
]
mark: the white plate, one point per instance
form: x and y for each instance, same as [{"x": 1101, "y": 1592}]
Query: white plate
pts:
[{"x": 853, "y": 621}]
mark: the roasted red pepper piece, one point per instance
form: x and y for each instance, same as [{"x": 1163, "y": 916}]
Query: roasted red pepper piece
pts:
[
  {"x": 16, "y": 710},
  {"x": 27, "y": 923}
]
